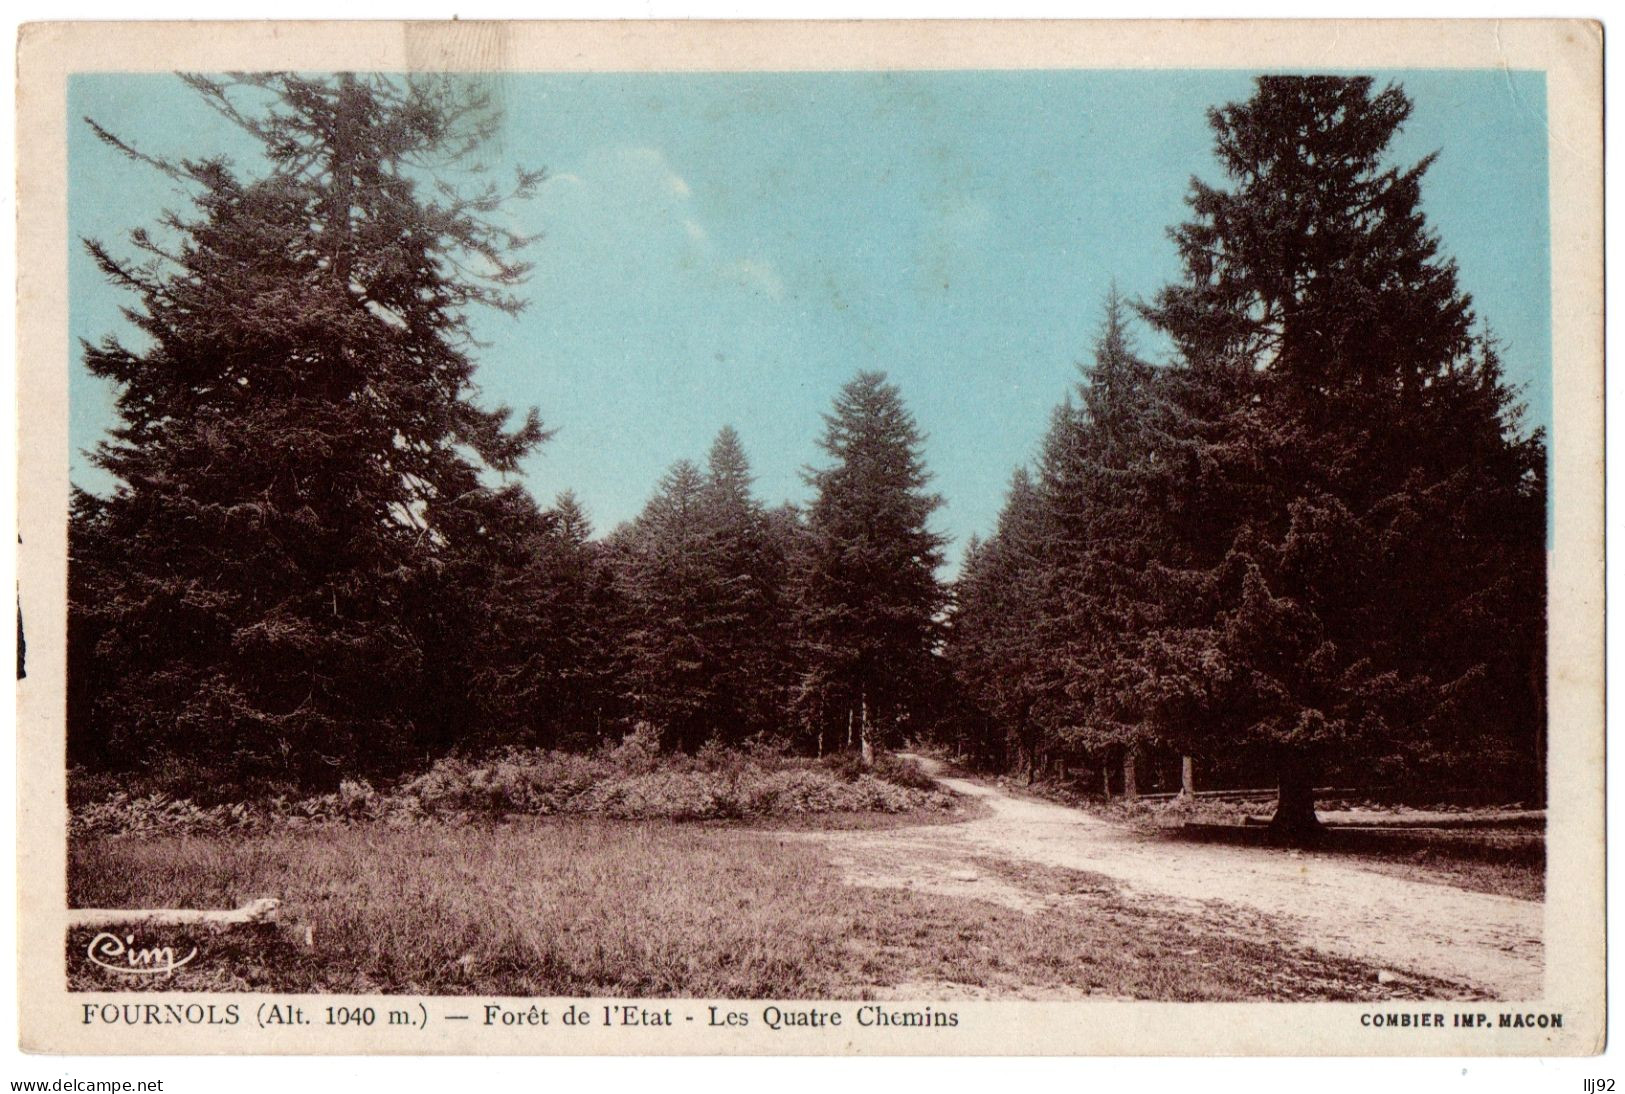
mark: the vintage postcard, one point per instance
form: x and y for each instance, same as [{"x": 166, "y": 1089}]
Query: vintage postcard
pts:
[{"x": 908, "y": 538}]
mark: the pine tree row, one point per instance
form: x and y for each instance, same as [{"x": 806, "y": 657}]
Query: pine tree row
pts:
[
  {"x": 312, "y": 565},
  {"x": 1310, "y": 544}
]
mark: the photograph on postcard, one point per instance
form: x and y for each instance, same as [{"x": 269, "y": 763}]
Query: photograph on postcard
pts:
[{"x": 816, "y": 551}]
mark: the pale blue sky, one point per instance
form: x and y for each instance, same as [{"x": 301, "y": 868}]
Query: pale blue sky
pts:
[{"x": 729, "y": 249}]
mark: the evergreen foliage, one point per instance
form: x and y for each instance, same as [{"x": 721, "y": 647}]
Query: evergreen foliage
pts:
[
  {"x": 1315, "y": 540},
  {"x": 871, "y": 599},
  {"x": 303, "y": 494},
  {"x": 1373, "y": 489},
  {"x": 1311, "y": 543},
  {"x": 704, "y": 574}
]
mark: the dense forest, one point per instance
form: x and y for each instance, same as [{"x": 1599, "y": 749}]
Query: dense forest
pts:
[{"x": 1307, "y": 545}]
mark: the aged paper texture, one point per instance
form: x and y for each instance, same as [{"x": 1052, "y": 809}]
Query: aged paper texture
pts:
[{"x": 371, "y": 817}]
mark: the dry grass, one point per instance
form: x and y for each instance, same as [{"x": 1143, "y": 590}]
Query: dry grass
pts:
[
  {"x": 1504, "y": 862},
  {"x": 608, "y": 908}
]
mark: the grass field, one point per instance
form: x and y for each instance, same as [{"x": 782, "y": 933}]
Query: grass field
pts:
[{"x": 587, "y": 906}]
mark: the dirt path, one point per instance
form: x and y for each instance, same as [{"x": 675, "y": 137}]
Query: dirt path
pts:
[{"x": 1492, "y": 943}]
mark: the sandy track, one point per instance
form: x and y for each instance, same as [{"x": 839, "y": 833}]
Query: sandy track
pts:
[{"x": 1491, "y": 943}]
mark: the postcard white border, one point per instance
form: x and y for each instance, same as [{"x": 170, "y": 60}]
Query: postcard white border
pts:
[{"x": 1569, "y": 52}]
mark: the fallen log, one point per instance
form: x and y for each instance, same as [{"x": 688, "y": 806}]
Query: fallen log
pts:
[{"x": 263, "y": 910}]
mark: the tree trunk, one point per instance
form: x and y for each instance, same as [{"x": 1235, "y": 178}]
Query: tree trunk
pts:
[
  {"x": 342, "y": 166},
  {"x": 1106, "y": 780},
  {"x": 1131, "y": 784},
  {"x": 1537, "y": 687},
  {"x": 849, "y": 729},
  {"x": 1295, "y": 819},
  {"x": 1540, "y": 763},
  {"x": 868, "y": 745},
  {"x": 1187, "y": 777}
]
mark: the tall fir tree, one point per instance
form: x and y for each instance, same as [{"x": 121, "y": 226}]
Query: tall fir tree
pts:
[
  {"x": 540, "y": 652},
  {"x": 704, "y": 580},
  {"x": 1053, "y": 607},
  {"x": 300, "y": 462},
  {"x": 1104, "y": 525},
  {"x": 670, "y": 581},
  {"x": 752, "y": 625},
  {"x": 998, "y": 658},
  {"x": 871, "y": 601},
  {"x": 1347, "y": 476}
]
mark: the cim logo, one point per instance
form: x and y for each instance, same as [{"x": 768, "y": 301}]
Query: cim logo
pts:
[{"x": 122, "y": 955}]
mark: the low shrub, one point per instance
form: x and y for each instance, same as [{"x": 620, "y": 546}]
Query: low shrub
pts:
[
  {"x": 630, "y": 781},
  {"x": 903, "y": 771}
]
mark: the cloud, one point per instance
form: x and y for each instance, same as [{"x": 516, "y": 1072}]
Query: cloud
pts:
[
  {"x": 631, "y": 176},
  {"x": 625, "y": 207},
  {"x": 758, "y": 276},
  {"x": 653, "y": 161}
]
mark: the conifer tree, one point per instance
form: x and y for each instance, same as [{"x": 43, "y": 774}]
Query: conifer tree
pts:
[
  {"x": 994, "y": 646},
  {"x": 1053, "y": 607},
  {"x": 585, "y": 611},
  {"x": 704, "y": 580},
  {"x": 1346, "y": 473},
  {"x": 871, "y": 598},
  {"x": 300, "y": 460},
  {"x": 1104, "y": 525},
  {"x": 540, "y": 653},
  {"x": 751, "y": 625},
  {"x": 669, "y": 577}
]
